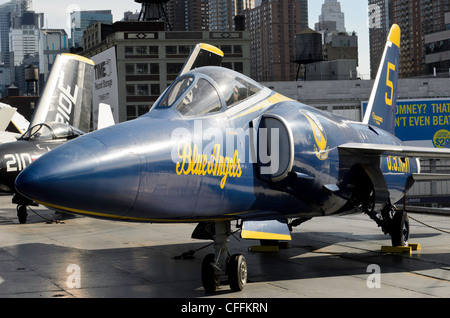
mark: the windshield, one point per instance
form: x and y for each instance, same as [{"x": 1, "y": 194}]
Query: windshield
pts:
[
  {"x": 202, "y": 99},
  {"x": 204, "y": 89},
  {"x": 50, "y": 131},
  {"x": 40, "y": 131},
  {"x": 175, "y": 91},
  {"x": 234, "y": 86}
]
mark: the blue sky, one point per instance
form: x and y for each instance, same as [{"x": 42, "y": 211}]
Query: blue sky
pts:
[{"x": 56, "y": 16}]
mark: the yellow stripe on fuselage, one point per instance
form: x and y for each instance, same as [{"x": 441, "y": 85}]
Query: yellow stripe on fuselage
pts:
[
  {"x": 275, "y": 98},
  {"x": 127, "y": 218}
]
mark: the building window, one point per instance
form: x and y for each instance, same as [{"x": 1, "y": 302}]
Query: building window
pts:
[
  {"x": 171, "y": 49},
  {"x": 131, "y": 90},
  {"x": 154, "y": 68},
  {"x": 184, "y": 49},
  {"x": 174, "y": 68},
  {"x": 142, "y": 90},
  {"x": 142, "y": 68},
  {"x": 129, "y": 50},
  {"x": 153, "y": 50},
  {"x": 134, "y": 111},
  {"x": 155, "y": 90},
  {"x": 141, "y": 50},
  {"x": 129, "y": 69}
]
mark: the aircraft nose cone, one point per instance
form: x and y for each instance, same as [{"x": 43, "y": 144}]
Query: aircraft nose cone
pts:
[{"x": 86, "y": 174}]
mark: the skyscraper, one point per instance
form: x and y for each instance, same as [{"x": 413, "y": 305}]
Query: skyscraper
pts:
[
  {"x": 7, "y": 11},
  {"x": 24, "y": 35},
  {"x": 80, "y": 20},
  {"x": 188, "y": 15},
  {"x": 222, "y": 13},
  {"x": 380, "y": 21},
  {"x": 417, "y": 19},
  {"x": 273, "y": 26},
  {"x": 331, "y": 16}
]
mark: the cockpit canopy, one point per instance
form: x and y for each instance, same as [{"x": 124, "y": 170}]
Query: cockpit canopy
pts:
[
  {"x": 208, "y": 90},
  {"x": 51, "y": 131}
]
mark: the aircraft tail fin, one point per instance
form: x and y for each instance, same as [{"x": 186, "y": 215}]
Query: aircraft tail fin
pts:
[
  {"x": 202, "y": 55},
  {"x": 105, "y": 116},
  {"x": 381, "y": 109},
  {"x": 67, "y": 96}
]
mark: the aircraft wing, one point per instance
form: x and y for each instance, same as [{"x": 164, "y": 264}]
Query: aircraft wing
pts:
[
  {"x": 396, "y": 150},
  {"x": 404, "y": 151},
  {"x": 6, "y": 114},
  {"x": 20, "y": 122}
]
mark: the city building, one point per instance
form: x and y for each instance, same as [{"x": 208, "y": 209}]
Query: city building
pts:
[
  {"x": 437, "y": 50},
  {"x": 51, "y": 43},
  {"x": 332, "y": 18},
  {"x": 24, "y": 36},
  {"x": 148, "y": 59},
  {"x": 223, "y": 12},
  {"x": 380, "y": 21},
  {"x": 339, "y": 57},
  {"x": 80, "y": 20},
  {"x": 7, "y": 11},
  {"x": 417, "y": 19},
  {"x": 273, "y": 26},
  {"x": 188, "y": 15}
]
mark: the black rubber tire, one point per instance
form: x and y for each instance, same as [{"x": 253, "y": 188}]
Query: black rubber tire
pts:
[
  {"x": 400, "y": 229},
  {"x": 237, "y": 272},
  {"x": 22, "y": 214},
  {"x": 210, "y": 279}
]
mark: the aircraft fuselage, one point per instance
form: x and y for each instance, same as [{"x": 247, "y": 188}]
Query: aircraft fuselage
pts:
[{"x": 161, "y": 167}]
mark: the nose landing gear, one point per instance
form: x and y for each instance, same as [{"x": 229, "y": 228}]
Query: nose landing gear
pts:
[{"x": 220, "y": 264}]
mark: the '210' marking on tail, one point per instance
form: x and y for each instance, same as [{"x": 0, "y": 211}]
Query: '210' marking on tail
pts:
[
  {"x": 389, "y": 84},
  {"x": 66, "y": 101}
]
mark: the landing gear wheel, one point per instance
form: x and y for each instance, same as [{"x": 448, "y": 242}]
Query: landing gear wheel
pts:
[
  {"x": 22, "y": 213},
  {"x": 237, "y": 272},
  {"x": 210, "y": 279},
  {"x": 400, "y": 229}
]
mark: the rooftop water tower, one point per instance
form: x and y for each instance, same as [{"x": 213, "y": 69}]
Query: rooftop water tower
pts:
[{"x": 153, "y": 10}]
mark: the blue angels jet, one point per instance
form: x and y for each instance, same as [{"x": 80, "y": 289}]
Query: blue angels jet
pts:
[{"x": 217, "y": 146}]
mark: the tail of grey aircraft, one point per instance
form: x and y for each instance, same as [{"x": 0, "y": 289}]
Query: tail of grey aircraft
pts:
[
  {"x": 67, "y": 96},
  {"x": 383, "y": 99}
]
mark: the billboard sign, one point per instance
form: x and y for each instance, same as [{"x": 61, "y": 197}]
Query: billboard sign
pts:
[
  {"x": 105, "y": 88},
  {"x": 422, "y": 122}
]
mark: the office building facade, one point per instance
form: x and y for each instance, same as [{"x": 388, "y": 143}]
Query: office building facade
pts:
[
  {"x": 80, "y": 20},
  {"x": 417, "y": 20},
  {"x": 273, "y": 26}
]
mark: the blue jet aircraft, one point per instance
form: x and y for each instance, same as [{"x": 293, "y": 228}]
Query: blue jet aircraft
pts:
[{"x": 217, "y": 146}]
